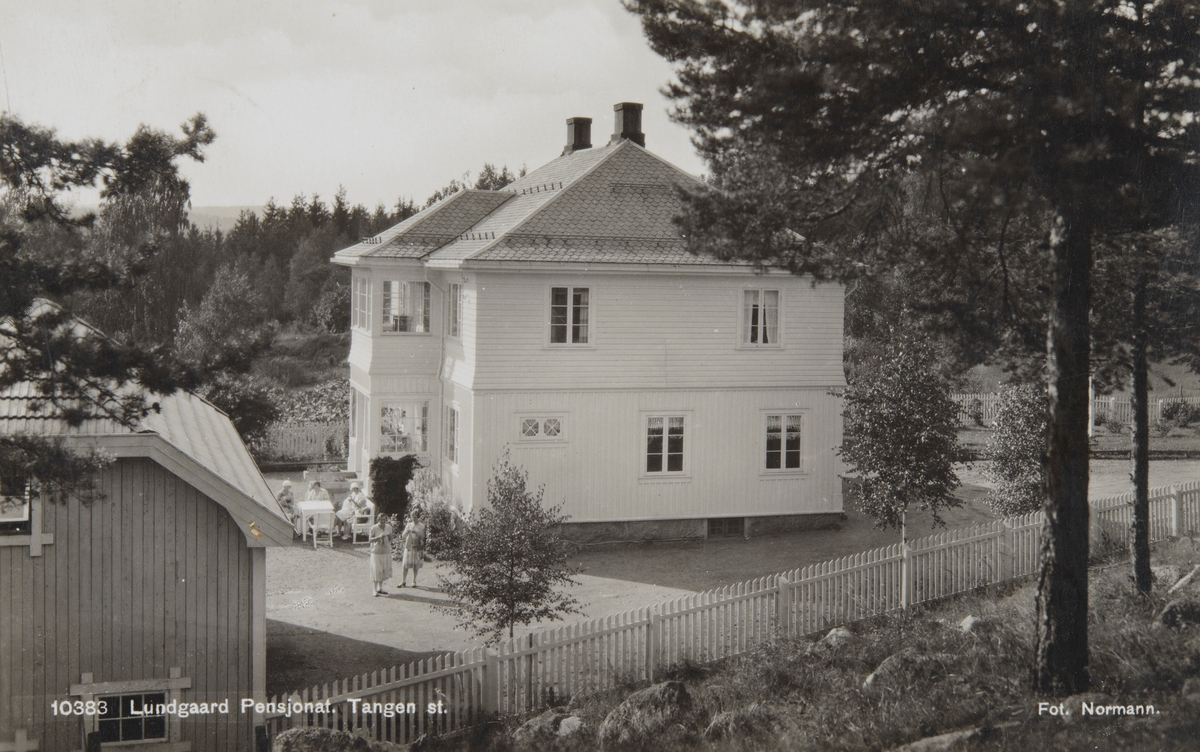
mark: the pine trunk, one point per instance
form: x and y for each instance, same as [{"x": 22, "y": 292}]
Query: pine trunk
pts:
[
  {"x": 1062, "y": 599},
  {"x": 1140, "y": 533}
]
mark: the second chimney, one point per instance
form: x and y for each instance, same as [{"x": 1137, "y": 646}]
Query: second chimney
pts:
[
  {"x": 628, "y": 123},
  {"x": 579, "y": 135}
]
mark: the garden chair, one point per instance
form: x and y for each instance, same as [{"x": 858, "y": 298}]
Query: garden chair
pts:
[
  {"x": 322, "y": 523},
  {"x": 361, "y": 524}
]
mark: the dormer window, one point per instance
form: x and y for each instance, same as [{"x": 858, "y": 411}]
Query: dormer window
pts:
[{"x": 405, "y": 306}]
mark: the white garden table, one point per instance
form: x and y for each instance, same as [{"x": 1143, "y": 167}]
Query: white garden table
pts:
[{"x": 306, "y": 510}]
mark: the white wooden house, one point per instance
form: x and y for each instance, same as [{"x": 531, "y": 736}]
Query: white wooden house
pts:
[{"x": 655, "y": 393}]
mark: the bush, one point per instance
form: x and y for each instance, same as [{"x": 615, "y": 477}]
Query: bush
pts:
[
  {"x": 388, "y": 480},
  {"x": 1180, "y": 414},
  {"x": 425, "y": 492},
  {"x": 1016, "y": 450},
  {"x": 337, "y": 444}
]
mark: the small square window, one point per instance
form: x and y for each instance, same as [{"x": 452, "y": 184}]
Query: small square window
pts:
[
  {"x": 552, "y": 427},
  {"x": 529, "y": 428}
]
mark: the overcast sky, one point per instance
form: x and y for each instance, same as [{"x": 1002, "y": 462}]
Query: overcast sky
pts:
[{"x": 388, "y": 99}]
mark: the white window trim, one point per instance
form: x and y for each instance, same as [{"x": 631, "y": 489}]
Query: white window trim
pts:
[
  {"x": 405, "y": 282},
  {"x": 591, "y": 326},
  {"x": 88, "y": 690},
  {"x": 417, "y": 400},
  {"x": 781, "y": 335},
  {"x": 454, "y": 436},
  {"x": 763, "y": 470},
  {"x": 454, "y": 311},
  {"x": 689, "y": 439},
  {"x": 363, "y": 316},
  {"x": 542, "y": 417}
]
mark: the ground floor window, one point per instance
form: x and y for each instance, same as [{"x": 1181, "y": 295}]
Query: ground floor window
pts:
[
  {"x": 541, "y": 428},
  {"x": 664, "y": 443},
  {"x": 451, "y": 439},
  {"x": 132, "y": 717},
  {"x": 404, "y": 427},
  {"x": 783, "y": 441}
]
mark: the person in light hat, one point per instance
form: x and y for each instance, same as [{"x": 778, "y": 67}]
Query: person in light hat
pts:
[
  {"x": 287, "y": 500},
  {"x": 355, "y": 504}
]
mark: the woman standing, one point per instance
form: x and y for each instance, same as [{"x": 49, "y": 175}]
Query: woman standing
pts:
[
  {"x": 414, "y": 547},
  {"x": 380, "y": 539}
]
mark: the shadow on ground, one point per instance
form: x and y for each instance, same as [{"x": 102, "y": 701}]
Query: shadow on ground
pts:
[{"x": 300, "y": 657}]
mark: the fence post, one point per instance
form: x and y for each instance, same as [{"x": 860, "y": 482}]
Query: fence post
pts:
[
  {"x": 1007, "y": 568},
  {"x": 652, "y": 630},
  {"x": 905, "y": 576},
  {"x": 1176, "y": 511},
  {"x": 491, "y": 682},
  {"x": 532, "y": 704},
  {"x": 783, "y": 605}
]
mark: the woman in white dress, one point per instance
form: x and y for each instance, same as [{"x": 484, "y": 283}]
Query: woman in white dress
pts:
[{"x": 380, "y": 539}]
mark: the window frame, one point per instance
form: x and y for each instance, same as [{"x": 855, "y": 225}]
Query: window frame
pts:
[
  {"x": 421, "y": 421},
  {"x": 172, "y": 688},
  {"x": 589, "y": 324},
  {"x": 764, "y": 437},
  {"x": 360, "y": 315},
  {"x": 744, "y": 323},
  {"x": 644, "y": 473},
  {"x": 451, "y": 431},
  {"x": 541, "y": 418},
  {"x": 454, "y": 310},
  {"x": 425, "y": 307}
]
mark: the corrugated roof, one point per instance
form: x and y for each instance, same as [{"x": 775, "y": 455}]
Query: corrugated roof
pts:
[
  {"x": 613, "y": 204},
  {"x": 187, "y": 422}
]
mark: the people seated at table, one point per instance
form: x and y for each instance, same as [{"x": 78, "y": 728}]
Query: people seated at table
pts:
[
  {"x": 287, "y": 501},
  {"x": 353, "y": 505},
  {"x": 315, "y": 492}
]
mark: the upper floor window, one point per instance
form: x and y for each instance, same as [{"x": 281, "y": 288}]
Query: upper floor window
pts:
[
  {"x": 405, "y": 306},
  {"x": 664, "y": 443},
  {"x": 455, "y": 316},
  {"x": 14, "y": 504},
  {"x": 569, "y": 315},
  {"x": 360, "y": 310},
  {"x": 760, "y": 317},
  {"x": 783, "y": 441},
  {"x": 405, "y": 427}
]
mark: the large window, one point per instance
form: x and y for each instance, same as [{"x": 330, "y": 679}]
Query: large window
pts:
[
  {"x": 664, "y": 443},
  {"x": 451, "y": 434},
  {"x": 133, "y": 717},
  {"x": 405, "y": 306},
  {"x": 360, "y": 311},
  {"x": 569, "y": 315},
  {"x": 404, "y": 427},
  {"x": 760, "y": 317},
  {"x": 455, "y": 306},
  {"x": 783, "y": 441}
]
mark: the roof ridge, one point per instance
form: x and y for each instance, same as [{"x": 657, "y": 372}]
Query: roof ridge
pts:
[{"x": 540, "y": 209}]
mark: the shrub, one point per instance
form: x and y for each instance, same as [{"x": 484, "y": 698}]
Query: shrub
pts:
[
  {"x": 425, "y": 492},
  {"x": 1016, "y": 450},
  {"x": 1180, "y": 414},
  {"x": 337, "y": 444},
  {"x": 388, "y": 480}
]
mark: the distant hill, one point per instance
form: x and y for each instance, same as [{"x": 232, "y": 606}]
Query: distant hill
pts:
[{"x": 221, "y": 218}]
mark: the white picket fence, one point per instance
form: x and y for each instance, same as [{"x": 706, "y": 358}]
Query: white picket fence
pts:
[
  {"x": 550, "y": 665},
  {"x": 301, "y": 441},
  {"x": 981, "y": 409}
]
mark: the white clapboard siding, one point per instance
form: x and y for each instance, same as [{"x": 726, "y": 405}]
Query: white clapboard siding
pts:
[
  {"x": 724, "y": 448},
  {"x": 544, "y": 668},
  {"x": 654, "y": 331}
]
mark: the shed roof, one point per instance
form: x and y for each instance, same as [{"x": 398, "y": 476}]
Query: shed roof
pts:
[
  {"x": 612, "y": 204},
  {"x": 188, "y": 432}
]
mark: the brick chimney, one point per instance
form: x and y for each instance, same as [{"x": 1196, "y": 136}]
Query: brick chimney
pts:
[
  {"x": 628, "y": 123},
  {"x": 579, "y": 135}
]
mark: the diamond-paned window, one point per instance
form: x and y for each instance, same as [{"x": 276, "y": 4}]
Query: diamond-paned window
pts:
[
  {"x": 529, "y": 428},
  {"x": 552, "y": 427},
  {"x": 542, "y": 429}
]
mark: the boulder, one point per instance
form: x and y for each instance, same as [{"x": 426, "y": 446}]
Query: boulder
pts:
[
  {"x": 659, "y": 716},
  {"x": 968, "y": 624},
  {"x": 899, "y": 668},
  {"x": 570, "y": 726},
  {"x": 319, "y": 740},
  {"x": 540, "y": 729},
  {"x": 754, "y": 723},
  {"x": 1180, "y": 612},
  {"x": 837, "y": 637},
  {"x": 1191, "y": 690}
]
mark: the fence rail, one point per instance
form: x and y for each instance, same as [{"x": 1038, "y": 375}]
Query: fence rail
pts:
[
  {"x": 981, "y": 409},
  {"x": 547, "y": 666},
  {"x": 303, "y": 441}
]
